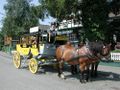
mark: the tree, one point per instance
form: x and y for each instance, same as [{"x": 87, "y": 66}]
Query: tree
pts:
[
  {"x": 1, "y": 40},
  {"x": 19, "y": 17},
  {"x": 95, "y": 14},
  {"x": 114, "y": 21},
  {"x": 58, "y": 8},
  {"x": 115, "y": 6}
]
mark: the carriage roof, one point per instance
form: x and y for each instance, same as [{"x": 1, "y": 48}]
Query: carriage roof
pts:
[
  {"x": 39, "y": 28},
  {"x": 36, "y": 30}
]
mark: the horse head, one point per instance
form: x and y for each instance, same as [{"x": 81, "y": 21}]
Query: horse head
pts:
[
  {"x": 106, "y": 50},
  {"x": 100, "y": 49}
]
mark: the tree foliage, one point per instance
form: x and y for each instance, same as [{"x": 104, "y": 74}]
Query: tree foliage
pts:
[
  {"x": 114, "y": 23},
  {"x": 95, "y": 15},
  {"x": 59, "y": 8},
  {"x": 20, "y": 17}
]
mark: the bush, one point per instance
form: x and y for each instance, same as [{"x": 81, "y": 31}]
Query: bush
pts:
[{"x": 116, "y": 51}]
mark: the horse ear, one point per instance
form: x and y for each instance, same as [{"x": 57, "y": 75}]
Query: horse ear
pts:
[{"x": 109, "y": 44}]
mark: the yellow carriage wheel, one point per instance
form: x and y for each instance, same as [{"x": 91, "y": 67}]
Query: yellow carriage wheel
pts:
[
  {"x": 33, "y": 65},
  {"x": 16, "y": 60}
]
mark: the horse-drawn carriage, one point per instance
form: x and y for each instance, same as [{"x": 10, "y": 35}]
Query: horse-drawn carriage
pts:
[
  {"x": 38, "y": 48},
  {"x": 35, "y": 49}
]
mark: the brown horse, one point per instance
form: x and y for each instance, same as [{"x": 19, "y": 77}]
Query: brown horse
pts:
[
  {"x": 104, "y": 55},
  {"x": 84, "y": 57}
]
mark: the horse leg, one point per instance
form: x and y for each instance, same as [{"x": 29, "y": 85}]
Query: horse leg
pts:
[
  {"x": 74, "y": 69},
  {"x": 96, "y": 67},
  {"x": 92, "y": 69},
  {"x": 82, "y": 70},
  {"x": 88, "y": 74},
  {"x": 82, "y": 77},
  {"x": 60, "y": 69}
]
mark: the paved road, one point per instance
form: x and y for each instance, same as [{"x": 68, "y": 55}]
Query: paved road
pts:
[{"x": 22, "y": 79}]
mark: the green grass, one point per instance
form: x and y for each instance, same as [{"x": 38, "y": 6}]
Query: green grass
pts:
[{"x": 116, "y": 51}]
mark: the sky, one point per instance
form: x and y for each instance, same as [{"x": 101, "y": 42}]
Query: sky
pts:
[
  {"x": 35, "y": 2},
  {"x": 2, "y": 11}
]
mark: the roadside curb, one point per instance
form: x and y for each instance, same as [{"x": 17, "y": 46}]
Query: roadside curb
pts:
[{"x": 4, "y": 54}]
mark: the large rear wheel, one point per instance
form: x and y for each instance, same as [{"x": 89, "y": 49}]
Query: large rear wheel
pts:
[
  {"x": 33, "y": 65},
  {"x": 16, "y": 59}
]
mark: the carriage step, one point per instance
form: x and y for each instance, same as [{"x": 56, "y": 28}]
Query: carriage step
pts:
[{"x": 48, "y": 63}]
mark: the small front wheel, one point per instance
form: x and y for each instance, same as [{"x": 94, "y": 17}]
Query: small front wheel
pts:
[{"x": 33, "y": 65}]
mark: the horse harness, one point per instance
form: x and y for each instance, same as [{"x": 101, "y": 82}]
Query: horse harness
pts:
[
  {"x": 88, "y": 53},
  {"x": 76, "y": 55}
]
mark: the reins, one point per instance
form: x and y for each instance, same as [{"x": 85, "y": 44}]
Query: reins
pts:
[{"x": 82, "y": 56}]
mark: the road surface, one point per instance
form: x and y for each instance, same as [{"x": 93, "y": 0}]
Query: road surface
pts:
[{"x": 22, "y": 79}]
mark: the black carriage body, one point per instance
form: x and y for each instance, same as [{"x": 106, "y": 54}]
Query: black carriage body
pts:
[
  {"x": 46, "y": 48},
  {"x": 47, "y": 51}
]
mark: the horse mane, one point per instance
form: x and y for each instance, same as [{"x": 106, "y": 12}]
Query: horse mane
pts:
[{"x": 95, "y": 47}]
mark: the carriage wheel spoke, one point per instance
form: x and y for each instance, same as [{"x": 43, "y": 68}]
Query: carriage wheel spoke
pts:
[{"x": 33, "y": 65}]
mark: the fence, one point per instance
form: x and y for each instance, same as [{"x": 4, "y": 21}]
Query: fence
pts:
[{"x": 115, "y": 56}]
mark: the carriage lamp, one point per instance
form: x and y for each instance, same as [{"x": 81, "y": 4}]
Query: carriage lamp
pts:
[{"x": 114, "y": 38}]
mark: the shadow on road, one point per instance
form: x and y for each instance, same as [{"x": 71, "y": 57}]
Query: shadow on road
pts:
[
  {"x": 47, "y": 68},
  {"x": 102, "y": 75},
  {"x": 107, "y": 76}
]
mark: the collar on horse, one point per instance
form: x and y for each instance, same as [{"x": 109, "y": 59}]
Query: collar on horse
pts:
[{"x": 90, "y": 54}]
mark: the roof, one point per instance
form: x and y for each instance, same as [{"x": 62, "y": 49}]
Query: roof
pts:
[
  {"x": 44, "y": 27},
  {"x": 115, "y": 17},
  {"x": 40, "y": 28}
]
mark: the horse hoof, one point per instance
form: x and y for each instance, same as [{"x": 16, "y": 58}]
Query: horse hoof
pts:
[
  {"x": 73, "y": 73},
  {"x": 89, "y": 80},
  {"x": 82, "y": 81},
  {"x": 62, "y": 76}
]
